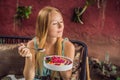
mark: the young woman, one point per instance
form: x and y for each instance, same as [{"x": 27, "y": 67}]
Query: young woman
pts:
[{"x": 49, "y": 31}]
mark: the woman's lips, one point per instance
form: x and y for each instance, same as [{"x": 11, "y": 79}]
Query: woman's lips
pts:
[{"x": 59, "y": 31}]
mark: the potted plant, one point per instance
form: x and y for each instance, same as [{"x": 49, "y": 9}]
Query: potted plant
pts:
[{"x": 104, "y": 70}]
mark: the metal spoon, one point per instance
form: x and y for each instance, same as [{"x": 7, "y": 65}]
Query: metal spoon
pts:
[{"x": 37, "y": 49}]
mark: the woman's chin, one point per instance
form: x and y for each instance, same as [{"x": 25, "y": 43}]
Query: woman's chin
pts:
[{"x": 59, "y": 35}]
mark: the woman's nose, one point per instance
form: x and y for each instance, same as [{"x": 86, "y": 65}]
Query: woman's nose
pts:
[{"x": 60, "y": 25}]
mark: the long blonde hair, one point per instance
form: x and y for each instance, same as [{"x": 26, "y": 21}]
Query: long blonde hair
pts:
[{"x": 42, "y": 31}]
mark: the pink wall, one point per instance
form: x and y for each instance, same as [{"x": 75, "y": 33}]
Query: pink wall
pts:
[{"x": 100, "y": 31}]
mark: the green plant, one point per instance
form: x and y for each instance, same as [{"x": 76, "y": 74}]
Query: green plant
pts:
[
  {"x": 105, "y": 68},
  {"x": 118, "y": 78},
  {"x": 78, "y": 12},
  {"x": 22, "y": 12}
]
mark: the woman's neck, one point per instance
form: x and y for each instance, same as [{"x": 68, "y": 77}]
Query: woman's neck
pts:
[
  {"x": 51, "y": 41},
  {"x": 50, "y": 46}
]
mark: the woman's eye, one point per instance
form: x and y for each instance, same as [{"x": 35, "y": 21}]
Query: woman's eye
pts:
[
  {"x": 61, "y": 21},
  {"x": 54, "y": 23}
]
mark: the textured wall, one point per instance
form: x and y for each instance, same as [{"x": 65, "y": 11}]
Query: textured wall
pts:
[{"x": 100, "y": 31}]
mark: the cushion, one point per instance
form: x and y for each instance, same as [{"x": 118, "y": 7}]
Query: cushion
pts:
[{"x": 76, "y": 62}]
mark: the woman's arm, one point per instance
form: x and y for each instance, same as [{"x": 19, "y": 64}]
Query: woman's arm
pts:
[
  {"x": 29, "y": 68},
  {"x": 69, "y": 51}
]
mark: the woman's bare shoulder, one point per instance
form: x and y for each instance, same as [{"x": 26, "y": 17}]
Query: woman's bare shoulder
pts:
[
  {"x": 69, "y": 49},
  {"x": 69, "y": 44},
  {"x": 30, "y": 43}
]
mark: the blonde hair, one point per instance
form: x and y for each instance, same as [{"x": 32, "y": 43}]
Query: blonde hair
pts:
[{"x": 42, "y": 31}]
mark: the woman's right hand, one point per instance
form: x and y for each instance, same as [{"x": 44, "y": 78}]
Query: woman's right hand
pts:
[{"x": 24, "y": 51}]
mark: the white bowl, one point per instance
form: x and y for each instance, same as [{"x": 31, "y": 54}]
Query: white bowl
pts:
[{"x": 61, "y": 67}]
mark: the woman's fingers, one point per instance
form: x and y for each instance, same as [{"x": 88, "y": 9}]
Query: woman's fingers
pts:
[
  {"x": 26, "y": 52},
  {"x": 23, "y": 51},
  {"x": 21, "y": 44}
]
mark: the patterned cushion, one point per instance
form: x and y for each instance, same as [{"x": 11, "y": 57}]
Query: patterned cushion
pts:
[{"x": 76, "y": 62}]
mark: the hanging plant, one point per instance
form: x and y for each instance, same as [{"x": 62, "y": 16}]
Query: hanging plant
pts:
[
  {"x": 78, "y": 12},
  {"x": 22, "y": 12},
  {"x": 77, "y": 16}
]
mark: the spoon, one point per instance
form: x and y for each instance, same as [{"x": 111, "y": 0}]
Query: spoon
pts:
[{"x": 37, "y": 49}]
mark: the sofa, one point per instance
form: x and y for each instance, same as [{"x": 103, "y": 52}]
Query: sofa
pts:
[{"x": 11, "y": 63}]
